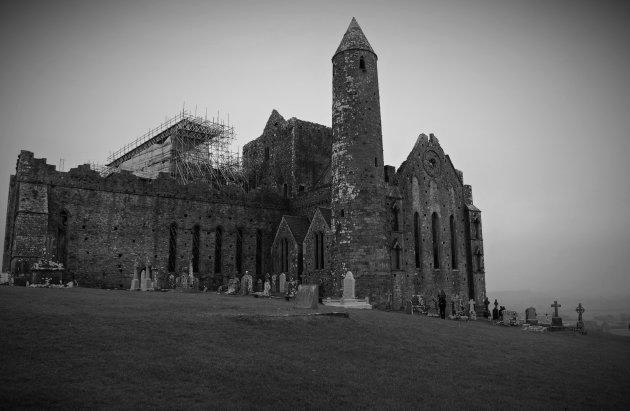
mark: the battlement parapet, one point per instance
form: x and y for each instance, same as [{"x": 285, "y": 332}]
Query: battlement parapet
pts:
[{"x": 37, "y": 170}]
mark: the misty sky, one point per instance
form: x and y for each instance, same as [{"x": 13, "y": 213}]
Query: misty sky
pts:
[{"x": 529, "y": 98}]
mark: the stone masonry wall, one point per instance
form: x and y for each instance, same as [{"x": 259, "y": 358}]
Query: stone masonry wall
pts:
[
  {"x": 293, "y": 152},
  {"x": 9, "y": 223},
  {"x": 121, "y": 220}
]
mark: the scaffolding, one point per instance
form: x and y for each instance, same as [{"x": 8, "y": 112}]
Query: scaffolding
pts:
[{"x": 189, "y": 148}]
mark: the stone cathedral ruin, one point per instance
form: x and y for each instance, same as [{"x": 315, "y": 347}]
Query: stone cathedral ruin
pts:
[{"x": 306, "y": 200}]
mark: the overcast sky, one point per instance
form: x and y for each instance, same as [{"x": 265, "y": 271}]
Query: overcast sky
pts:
[{"x": 530, "y": 99}]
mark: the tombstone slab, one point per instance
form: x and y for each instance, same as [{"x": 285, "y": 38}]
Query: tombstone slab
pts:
[
  {"x": 135, "y": 282},
  {"x": 307, "y": 296},
  {"x": 283, "y": 283},
  {"x": 348, "y": 286},
  {"x": 530, "y": 316},
  {"x": 143, "y": 280}
]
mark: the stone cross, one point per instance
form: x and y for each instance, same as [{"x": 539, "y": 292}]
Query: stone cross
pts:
[
  {"x": 555, "y": 306},
  {"x": 580, "y": 310}
]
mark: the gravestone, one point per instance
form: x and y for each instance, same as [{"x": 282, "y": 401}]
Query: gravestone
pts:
[
  {"x": 247, "y": 284},
  {"x": 580, "y": 310},
  {"x": 307, "y": 295},
  {"x": 274, "y": 283},
  {"x": 259, "y": 286},
  {"x": 135, "y": 283},
  {"x": 530, "y": 316},
  {"x": 556, "y": 321},
  {"x": 283, "y": 283},
  {"x": 156, "y": 284},
  {"x": 495, "y": 311},
  {"x": 143, "y": 280},
  {"x": 267, "y": 289},
  {"x": 348, "y": 286}
]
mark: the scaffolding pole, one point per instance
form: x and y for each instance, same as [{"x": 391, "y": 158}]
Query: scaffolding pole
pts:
[{"x": 189, "y": 148}]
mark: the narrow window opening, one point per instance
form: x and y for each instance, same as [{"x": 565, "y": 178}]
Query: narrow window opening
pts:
[
  {"x": 172, "y": 247},
  {"x": 477, "y": 228},
  {"x": 454, "y": 258},
  {"x": 259, "y": 248},
  {"x": 342, "y": 213},
  {"x": 395, "y": 218},
  {"x": 435, "y": 225},
  {"x": 362, "y": 63},
  {"x": 416, "y": 237},
  {"x": 375, "y": 162},
  {"x": 266, "y": 153},
  {"x": 319, "y": 250},
  {"x": 218, "y": 246},
  {"x": 284, "y": 255},
  {"x": 195, "y": 248},
  {"x": 479, "y": 260},
  {"x": 239, "y": 251}
]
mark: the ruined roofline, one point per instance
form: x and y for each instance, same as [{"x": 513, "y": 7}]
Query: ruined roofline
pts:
[
  {"x": 275, "y": 115},
  {"x": 31, "y": 169}
]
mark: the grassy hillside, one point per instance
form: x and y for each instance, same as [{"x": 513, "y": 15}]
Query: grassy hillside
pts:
[{"x": 88, "y": 348}]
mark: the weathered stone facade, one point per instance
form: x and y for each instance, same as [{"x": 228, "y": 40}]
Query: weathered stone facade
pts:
[
  {"x": 320, "y": 202},
  {"x": 115, "y": 222}
]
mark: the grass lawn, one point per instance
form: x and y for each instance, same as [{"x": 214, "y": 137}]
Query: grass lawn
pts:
[{"x": 84, "y": 348}]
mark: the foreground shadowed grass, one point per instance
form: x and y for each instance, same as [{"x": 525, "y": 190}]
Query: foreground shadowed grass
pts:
[{"x": 98, "y": 349}]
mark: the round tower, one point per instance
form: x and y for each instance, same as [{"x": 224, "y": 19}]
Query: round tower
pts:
[{"x": 359, "y": 215}]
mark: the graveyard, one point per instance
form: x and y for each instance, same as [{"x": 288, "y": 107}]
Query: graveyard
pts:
[{"x": 82, "y": 348}]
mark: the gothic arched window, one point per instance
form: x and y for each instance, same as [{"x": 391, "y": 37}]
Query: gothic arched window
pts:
[
  {"x": 284, "y": 255},
  {"x": 172, "y": 247},
  {"x": 259, "y": 248},
  {"x": 318, "y": 239},
  {"x": 395, "y": 217},
  {"x": 416, "y": 238},
  {"x": 195, "y": 248},
  {"x": 218, "y": 248},
  {"x": 435, "y": 228},
  {"x": 454, "y": 261},
  {"x": 238, "y": 258}
]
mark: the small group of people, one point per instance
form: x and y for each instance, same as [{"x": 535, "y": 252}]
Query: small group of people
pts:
[{"x": 457, "y": 306}]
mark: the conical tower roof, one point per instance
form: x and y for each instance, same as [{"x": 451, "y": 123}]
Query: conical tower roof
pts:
[{"x": 354, "y": 39}]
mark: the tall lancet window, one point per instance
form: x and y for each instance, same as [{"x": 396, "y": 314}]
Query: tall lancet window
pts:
[
  {"x": 259, "y": 250},
  {"x": 172, "y": 247},
  {"x": 239, "y": 251},
  {"x": 195, "y": 248},
  {"x": 435, "y": 228},
  {"x": 218, "y": 249},
  {"x": 454, "y": 261},
  {"x": 416, "y": 238}
]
